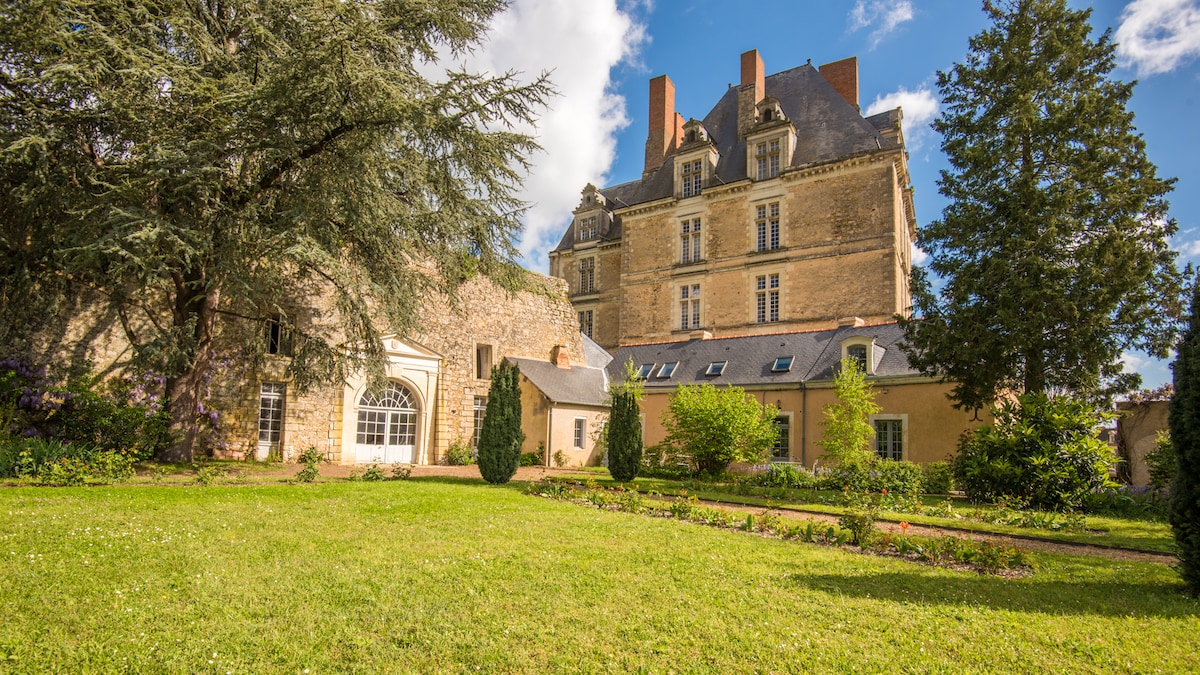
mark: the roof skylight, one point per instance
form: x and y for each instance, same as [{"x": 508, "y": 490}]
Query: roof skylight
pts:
[{"x": 782, "y": 364}]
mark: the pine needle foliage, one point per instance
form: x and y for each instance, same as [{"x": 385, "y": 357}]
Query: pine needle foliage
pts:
[
  {"x": 1054, "y": 248},
  {"x": 1184, "y": 421},
  {"x": 198, "y": 168},
  {"x": 501, "y": 436},
  {"x": 624, "y": 431}
]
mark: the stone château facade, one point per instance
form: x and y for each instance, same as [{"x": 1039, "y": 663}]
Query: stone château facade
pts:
[{"x": 782, "y": 209}]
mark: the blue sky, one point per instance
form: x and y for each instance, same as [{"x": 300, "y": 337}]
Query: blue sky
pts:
[{"x": 602, "y": 53}]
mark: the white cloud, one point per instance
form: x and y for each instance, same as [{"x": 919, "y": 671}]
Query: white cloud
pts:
[
  {"x": 919, "y": 106},
  {"x": 882, "y": 15},
  {"x": 581, "y": 42},
  {"x": 1134, "y": 362},
  {"x": 1157, "y": 36},
  {"x": 1189, "y": 249},
  {"x": 919, "y": 256}
]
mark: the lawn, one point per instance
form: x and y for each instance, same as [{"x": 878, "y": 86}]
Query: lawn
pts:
[{"x": 445, "y": 575}]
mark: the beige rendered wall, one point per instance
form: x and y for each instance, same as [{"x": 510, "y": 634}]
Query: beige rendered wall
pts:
[{"x": 932, "y": 424}]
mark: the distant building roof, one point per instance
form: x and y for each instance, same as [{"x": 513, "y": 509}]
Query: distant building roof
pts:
[
  {"x": 828, "y": 129},
  {"x": 580, "y": 385},
  {"x": 751, "y": 360}
]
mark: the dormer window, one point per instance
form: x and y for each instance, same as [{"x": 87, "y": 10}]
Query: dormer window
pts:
[
  {"x": 767, "y": 154},
  {"x": 588, "y": 228},
  {"x": 693, "y": 177},
  {"x": 861, "y": 350}
]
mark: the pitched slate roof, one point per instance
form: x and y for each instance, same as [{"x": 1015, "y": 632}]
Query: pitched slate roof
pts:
[
  {"x": 816, "y": 355},
  {"x": 581, "y": 385}
]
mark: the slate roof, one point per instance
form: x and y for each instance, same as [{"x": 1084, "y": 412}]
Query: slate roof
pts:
[
  {"x": 580, "y": 385},
  {"x": 828, "y": 129},
  {"x": 750, "y": 358},
  {"x": 594, "y": 355}
]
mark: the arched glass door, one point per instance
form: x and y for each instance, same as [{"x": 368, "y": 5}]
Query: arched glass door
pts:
[{"x": 387, "y": 425}]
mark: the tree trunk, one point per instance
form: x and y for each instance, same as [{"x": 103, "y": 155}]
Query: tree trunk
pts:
[{"x": 186, "y": 390}]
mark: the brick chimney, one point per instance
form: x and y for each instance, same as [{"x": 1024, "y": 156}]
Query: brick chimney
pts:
[
  {"x": 751, "y": 91},
  {"x": 843, "y": 76},
  {"x": 559, "y": 357},
  {"x": 666, "y": 125}
]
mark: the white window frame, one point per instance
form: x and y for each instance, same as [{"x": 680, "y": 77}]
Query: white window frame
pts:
[
  {"x": 716, "y": 368},
  {"x": 580, "y": 433},
  {"x": 766, "y": 298},
  {"x": 785, "y": 437},
  {"x": 587, "y": 275},
  {"x": 689, "y": 306},
  {"x": 768, "y": 235},
  {"x": 783, "y": 364},
  {"x": 478, "y": 410},
  {"x": 689, "y": 241},
  {"x": 902, "y": 418},
  {"x": 588, "y": 228},
  {"x": 272, "y": 399},
  {"x": 691, "y": 175},
  {"x": 666, "y": 370}
]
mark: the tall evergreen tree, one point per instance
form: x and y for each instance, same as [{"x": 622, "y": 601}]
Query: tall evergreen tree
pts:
[
  {"x": 1054, "y": 247},
  {"x": 195, "y": 165},
  {"x": 501, "y": 436},
  {"x": 624, "y": 431},
  {"x": 1184, "y": 420}
]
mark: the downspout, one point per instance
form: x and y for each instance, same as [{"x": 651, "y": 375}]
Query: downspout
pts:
[
  {"x": 549, "y": 433},
  {"x": 803, "y": 424}
]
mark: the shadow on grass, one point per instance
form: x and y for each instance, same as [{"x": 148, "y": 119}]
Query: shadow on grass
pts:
[{"x": 1096, "y": 598}]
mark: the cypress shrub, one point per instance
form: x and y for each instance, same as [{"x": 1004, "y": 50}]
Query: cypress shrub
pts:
[
  {"x": 1184, "y": 421},
  {"x": 624, "y": 436},
  {"x": 501, "y": 436}
]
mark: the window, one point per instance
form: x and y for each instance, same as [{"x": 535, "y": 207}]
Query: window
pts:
[
  {"x": 889, "y": 439},
  {"x": 782, "y": 450},
  {"x": 277, "y": 336},
  {"x": 766, "y": 298},
  {"x": 782, "y": 364},
  {"x": 480, "y": 410},
  {"x": 667, "y": 369},
  {"x": 483, "y": 362},
  {"x": 767, "y": 156},
  {"x": 693, "y": 178},
  {"x": 587, "y": 275},
  {"x": 689, "y": 307},
  {"x": 585, "y": 322},
  {"x": 766, "y": 224},
  {"x": 858, "y": 353},
  {"x": 644, "y": 370},
  {"x": 587, "y": 228},
  {"x": 689, "y": 241},
  {"x": 715, "y": 368},
  {"x": 580, "y": 431},
  {"x": 270, "y": 414}
]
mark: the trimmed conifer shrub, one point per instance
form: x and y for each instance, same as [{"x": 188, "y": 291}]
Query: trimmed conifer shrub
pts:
[
  {"x": 501, "y": 436},
  {"x": 624, "y": 436},
  {"x": 1184, "y": 421}
]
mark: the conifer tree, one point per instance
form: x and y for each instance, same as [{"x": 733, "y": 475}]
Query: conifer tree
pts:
[
  {"x": 1184, "y": 421},
  {"x": 624, "y": 432},
  {"x": 501, "y": 436},
  {"x": 1054, "y": 248},
  {"x": 189, "y": 168}
]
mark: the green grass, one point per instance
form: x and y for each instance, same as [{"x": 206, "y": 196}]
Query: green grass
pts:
[
  {"x": 1127, "y": 533},
  {"x": 453, "y": 575}
]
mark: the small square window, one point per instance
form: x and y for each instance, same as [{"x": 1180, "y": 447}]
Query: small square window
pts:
[
  {"x": 715, "y": 368},
  {"x": 644, "y": 370},
  {"x": 667, "y": 369},
  {"x": 782, "y": 364}
]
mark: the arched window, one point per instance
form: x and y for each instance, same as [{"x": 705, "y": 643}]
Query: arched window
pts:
[{"x": 387, "y": 425}]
